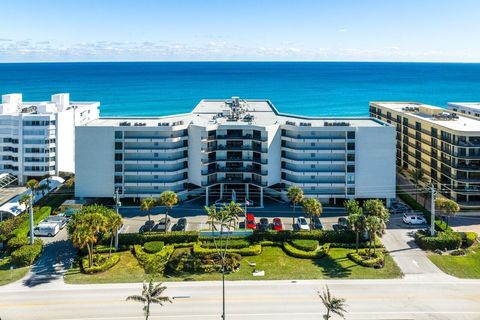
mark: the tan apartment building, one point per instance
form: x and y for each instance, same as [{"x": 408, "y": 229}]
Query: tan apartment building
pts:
[{"x": 446, "y": 145}]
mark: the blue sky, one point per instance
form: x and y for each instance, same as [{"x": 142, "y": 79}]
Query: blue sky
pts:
[{"x": 311, "y": 30}]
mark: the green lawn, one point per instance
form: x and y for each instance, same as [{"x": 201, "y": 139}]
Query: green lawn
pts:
[
  {"x": 277, "y": 266},
  {"x": 460, "y": 266},
  {"x": 7, "y": 275}
]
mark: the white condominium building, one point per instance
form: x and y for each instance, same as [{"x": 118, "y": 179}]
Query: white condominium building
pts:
[
  {"x": 236, "y": 148},
  {"x": 466, "y": 108},
  {"x": 38, "y": 138}
]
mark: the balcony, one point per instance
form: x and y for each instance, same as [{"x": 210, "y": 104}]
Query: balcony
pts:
[
  {"x": 154, "y": 183},
  {"x": 241, "y": 137},
  {"x": 152, "y": 139},
  {"x": 154, "y": 150},
  {"x": 152, "y": 161},
  {"x": 244, "y": 169},
  {"x": 147, "y": 172},
  {"x": 222, "y": 147},
  {"x": 314, "y": 139}
]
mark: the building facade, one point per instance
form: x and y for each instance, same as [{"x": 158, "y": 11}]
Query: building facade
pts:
[
  {"x": 445, "y": 144},
  {"x": 37, "y": 139},
  {"x": 466, "y": 108},
  {"x": 236, "y": 149}
]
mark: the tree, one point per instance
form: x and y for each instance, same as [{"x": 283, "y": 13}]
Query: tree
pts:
[
  {"x": 375, "y": 207},
  {"x": 113, "y": 223},
  {"x": 226, "y": 219},
  {"x": 295, "y": 195},
  {"x": 168, "y": 199},
  {"x": 374, "y": 226},
  {"x": 357, "y": 221},
  {"x": 147, "y": 205},
  {"x": 85, "y": 226},
  {"x": 312, "y": 207},
  {"x": 418, "y": 176},
  {"x": 332, "y": 304},
  {"x": 449, "y": 207},
  {"x": 351, "y": 206},
  {"x": 151, "y": 293},
  {"x": 33, "y": 185}
]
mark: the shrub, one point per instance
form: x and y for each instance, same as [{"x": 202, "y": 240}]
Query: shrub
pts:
[
  {"x": 153, "y": 262},
  {"x": 443, "y": 240},
  {"x": 16, "y": 243},
  {"x": 322, "y": 236},
  {"x": 153, "y": 246},
  {"x": 297, "y": 253},
  {"x": 168, "y": 238},
  {"x": 101, "y": 263},
  {"x": 468, "y": 238},
  {"x": 361, "y": 245},
  {"x": 23, "y": 228},
  {"x": 7, "y": 226},
  {"x": 183, "y": 245},
  {"x": 364, "y": 259},
  {"x": 253, "y": 250},
  {"x": 268, "y": 243},
  {"x": 305, "y": 245},
  {"x": 232, "y": 243},
  {"x": 27, "y": 254},
  {"x": 458, "y": 252}
]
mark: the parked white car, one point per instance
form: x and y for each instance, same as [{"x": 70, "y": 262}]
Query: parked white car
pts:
[
  {"x": 46, "y": 229},
  {"x": 302, "y": 224},
  {"x": 414, "y": 219}
]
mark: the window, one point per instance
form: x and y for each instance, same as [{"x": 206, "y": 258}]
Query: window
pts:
[
  {"x": 312, "y": 144},
  {"x": 118, "y": 179},
  {"x": 118, "y": 145},
  {"x": 351, "y": 168},
  {"x": 312, "y": 166},
  {"x": 118, "y": 168},
  {"x": 351, "y": 134},
  {"x": 351, "y": 146},
  {"x": 350, "y": 178},
  {"x": 118, "y": 157},
  {"x": 312, "y": 155},
  {"x": 350, "y": 191},
  {"x": 118, "y": 134},
  {"x": 351, "y": 157}
]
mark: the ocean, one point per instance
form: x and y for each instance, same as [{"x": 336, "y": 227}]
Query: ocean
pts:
[{"x": 308, "y": 88}]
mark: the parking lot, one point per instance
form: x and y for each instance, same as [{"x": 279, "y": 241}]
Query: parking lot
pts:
[{"x": 193, "y": 211}]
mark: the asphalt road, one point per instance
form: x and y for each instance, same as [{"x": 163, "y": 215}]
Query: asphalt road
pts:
[{"x": 415, "y": 297}]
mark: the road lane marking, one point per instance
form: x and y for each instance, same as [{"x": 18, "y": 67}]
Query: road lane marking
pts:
[{"x": 415, "y": 263}]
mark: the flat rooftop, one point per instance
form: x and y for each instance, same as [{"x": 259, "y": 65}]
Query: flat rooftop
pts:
[
  {"x": 235, "y": 112},
  {"x": 468, "y": 105},
  {"x": 435, "y": 115}
]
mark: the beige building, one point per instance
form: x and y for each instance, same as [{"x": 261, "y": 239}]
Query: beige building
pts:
[{"x": 445, "y": 144}]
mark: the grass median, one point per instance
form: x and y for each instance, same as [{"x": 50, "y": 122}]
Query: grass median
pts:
[
  {"x": 467, "y": 267},
  {"x": 8, "y": 275},
  {"x": 273, "y": 260}
]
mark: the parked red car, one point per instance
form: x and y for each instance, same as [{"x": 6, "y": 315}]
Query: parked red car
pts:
[
  {"x": 251, "y": 221},
  {"x": 277, "y": 224}
]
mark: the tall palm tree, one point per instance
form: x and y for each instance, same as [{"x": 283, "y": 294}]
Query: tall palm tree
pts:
[
  {"x": 212, "y": 216},
  {"x": 151, "y": 293},
  {"x": 312, "y": 208},
  {"x": 168, "y": 199},
  {"x": 147, "y": 205},
  {"x": 332, "y": 304},
  {"x": 357, "y": 221},
  {"x": 295, "y": 195},
  {"x": 374, "y": 226},
  {"x": 33, "y": 185},
  {"x": 113, "y": 223},
  {"x": 375, "y": 207}
]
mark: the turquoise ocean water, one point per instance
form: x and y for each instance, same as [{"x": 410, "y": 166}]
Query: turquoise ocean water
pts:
[{"x": 308, "y": 88}]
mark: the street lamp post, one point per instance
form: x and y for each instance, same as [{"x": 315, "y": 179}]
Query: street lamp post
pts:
[{"x": 116, "y": 197}]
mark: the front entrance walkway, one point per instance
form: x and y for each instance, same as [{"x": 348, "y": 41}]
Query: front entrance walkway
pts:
[{"x": 413, "y": 261}]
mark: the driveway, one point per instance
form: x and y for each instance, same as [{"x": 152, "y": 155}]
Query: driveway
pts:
[{"x": 399, "y": 241}]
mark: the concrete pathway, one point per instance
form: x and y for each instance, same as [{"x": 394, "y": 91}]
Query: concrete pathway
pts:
[{"x": 399, "y": 241}]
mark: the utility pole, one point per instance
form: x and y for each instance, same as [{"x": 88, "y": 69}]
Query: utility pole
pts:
[
  {"x": 432, "y": 210},
  {"x": 32, "y": 237},
  {"x": 117, "y": 206}
]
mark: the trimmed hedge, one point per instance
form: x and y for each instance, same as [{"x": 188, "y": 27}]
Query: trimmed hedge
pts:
[
  {"x": 294, "y": 252},
  {"x": 268, "y": 243},
  {"x": 253, "y": 250},
  {"x": 101, "y": 263},
  {"x": 153, "y": 246},
  {"x": 468, "y": 238},
  {"x": 322, "y": 236},
  {"x": 363, "y": 259},
  {"x": 305, "y": 245},
  {"x": 232, "y": 243},
  {"x": 27, "y": 254},
  {"x": 103, "y": 249},
  {"x": 153, "y": 262},
  {"x": 39, "y": 214},
  {"x": 16, "y": 243},
  {"x": 168, "y": 238},
  {"x": 443, "y": 240}
]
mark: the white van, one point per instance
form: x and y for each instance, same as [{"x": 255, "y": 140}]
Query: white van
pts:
[{"x": 46, "y": 229}]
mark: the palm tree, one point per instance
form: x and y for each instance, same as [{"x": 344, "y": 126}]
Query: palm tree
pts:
[
  {"x": 212, "y": 216},
  {"x": 374, "y": 225},
  {"x": 295, "y": 195},
  {"x": 151, "y": 293},
  {"x": 357, "y": 221},
  {"x": 168, "y": 199},
  {"x": 32, "y": 184},
  {"x": 449, "y": 207},
  {"x": 418, "y": 176},
  {"x": 332, "y": 304},
  {"x": 375, "y": 207},
  {"x": 113, "y": 223},
  {"x": 85, "y": 227},
  {"x": 312, "y": 207},
  {"x": 147, "y": 205}
]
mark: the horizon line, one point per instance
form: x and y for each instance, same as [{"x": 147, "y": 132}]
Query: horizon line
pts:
[{"x": 239, "y": 61}]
